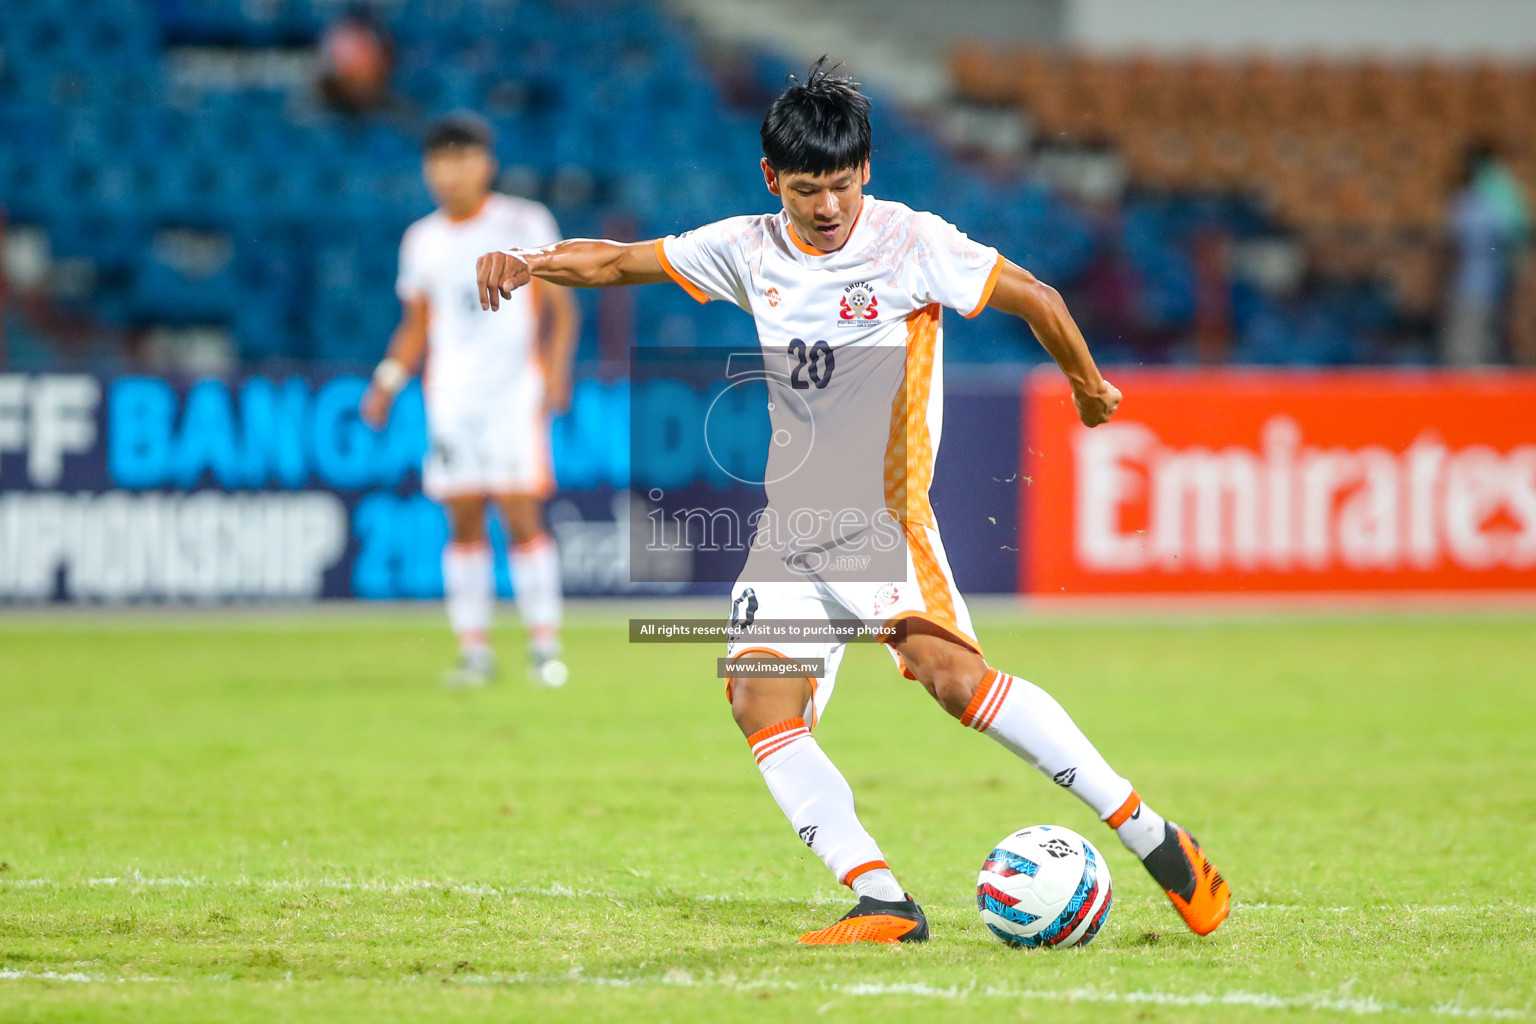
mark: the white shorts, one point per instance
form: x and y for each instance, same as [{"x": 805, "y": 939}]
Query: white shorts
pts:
[
  {"x": 485, "y": 448},
  {"x": 928, "y": 593}
]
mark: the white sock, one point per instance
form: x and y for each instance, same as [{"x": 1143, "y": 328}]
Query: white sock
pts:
[
  {"x": 1142, "y": 829},
  {"x": 880, "y": 884},
  {"x": 467, "y": 592},
  {"x": 536, "y": 585},
  {"x": 1029, "y": 722},
  {"x": 815, "y": 797}
]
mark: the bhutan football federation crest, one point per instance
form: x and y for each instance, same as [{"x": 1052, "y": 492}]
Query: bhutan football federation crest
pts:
[{"x": 858, "y": 305}]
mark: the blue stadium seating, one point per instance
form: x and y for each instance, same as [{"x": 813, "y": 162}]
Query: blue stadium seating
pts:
[{"x": 104, "y": 151}]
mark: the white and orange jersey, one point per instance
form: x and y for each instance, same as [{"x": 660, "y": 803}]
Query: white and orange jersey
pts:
[
  {"x": 859, "y": 334},
  {"x": 475, "y": 357}
]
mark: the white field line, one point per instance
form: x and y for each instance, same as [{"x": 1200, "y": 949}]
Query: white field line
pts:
[
  {"x": 77, "y": 977},
  {"x": 50, "y": 976},
  {"x": 1360, "y": 1005},
  {"x": 1357, "y": 1005},
  {"x": 133, "y": 879}
]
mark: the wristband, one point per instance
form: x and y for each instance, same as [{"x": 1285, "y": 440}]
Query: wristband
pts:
[{"x": 390, "y": 375}]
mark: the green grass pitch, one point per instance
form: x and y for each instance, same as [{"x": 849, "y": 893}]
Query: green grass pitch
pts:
[{"x": 218, "y": 818}]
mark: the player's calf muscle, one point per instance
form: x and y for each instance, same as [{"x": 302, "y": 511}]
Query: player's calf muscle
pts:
[
  {"x": 760, "y": 701},
  {"x": 950, "y": 672}
]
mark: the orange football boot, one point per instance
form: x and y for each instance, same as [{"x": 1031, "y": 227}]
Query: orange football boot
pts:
[
  {"x": 874, "y": 921},
  {"x": 1197, "y": 890}
]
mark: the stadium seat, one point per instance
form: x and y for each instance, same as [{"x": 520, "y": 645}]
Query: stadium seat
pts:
[{"x": 597, "y": 110}]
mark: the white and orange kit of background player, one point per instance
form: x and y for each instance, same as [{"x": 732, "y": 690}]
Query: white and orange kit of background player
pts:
[
  {"x": 859, "y": 334},
  {"x": 483, "y": 384}
]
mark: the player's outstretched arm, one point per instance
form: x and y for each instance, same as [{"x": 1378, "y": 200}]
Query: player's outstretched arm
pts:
[
  {"x": 575, "y": 263},
  {"x": 1022, "y": 294}
]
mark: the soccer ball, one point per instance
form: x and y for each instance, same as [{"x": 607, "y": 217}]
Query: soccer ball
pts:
[{"x": 1044, "y": 886}]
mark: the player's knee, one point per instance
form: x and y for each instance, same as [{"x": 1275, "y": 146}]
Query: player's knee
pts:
[
  {"x": 524, "y": 518},
  {"x": 466, "y": 522}
]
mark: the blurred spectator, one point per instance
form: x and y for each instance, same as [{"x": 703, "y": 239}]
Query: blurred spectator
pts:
[
  {"x": 1416, "y": 281},
  {"x": 1213, "y": 296},
  {"x": 1490, "y": 230},
  {"x": 1108, "y": 298},
  {"x": 356, "y": 54},
  {"x": 1512, "y": 207}
]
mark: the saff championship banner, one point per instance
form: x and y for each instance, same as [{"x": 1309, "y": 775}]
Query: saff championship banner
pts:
[
  {"x": 140, "y": 488},
  {"x": 1224, "y": 481},
  {"x": 263, "y": 488}
]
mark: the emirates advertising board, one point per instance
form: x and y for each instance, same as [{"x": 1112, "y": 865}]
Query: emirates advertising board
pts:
[{"x": 1269, "y": 482}]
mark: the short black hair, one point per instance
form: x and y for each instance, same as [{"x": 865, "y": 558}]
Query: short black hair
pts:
[
  {"x": 819, "y": 125},
  {"x": 460, "y": 128}
]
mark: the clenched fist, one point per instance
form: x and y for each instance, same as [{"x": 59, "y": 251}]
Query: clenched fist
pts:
[
  {"x": 1096, "y": 407},
  {"x": 502, "y": 273}
]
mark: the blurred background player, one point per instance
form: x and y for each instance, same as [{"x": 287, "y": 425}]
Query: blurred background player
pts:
[{"x": 492, "y": 381}]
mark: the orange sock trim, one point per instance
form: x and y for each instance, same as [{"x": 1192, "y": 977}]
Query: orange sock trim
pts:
[
  {"x": 1124, "y": 812},
  {"x": 995, "y": 704},
  {"x": 774, "y": 730},
  {"x": 862, "y": 869},
  {"x": 769, "y": 741},
  {"x": 987, "y": 700},
  {"x": 979, "y": 697},
  {"x": 468, "y": 547}
]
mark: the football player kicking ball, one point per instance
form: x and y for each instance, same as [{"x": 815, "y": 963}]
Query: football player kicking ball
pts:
[
  {"x": 491, "y": 383},
  {"x": 871, "y": 275}
]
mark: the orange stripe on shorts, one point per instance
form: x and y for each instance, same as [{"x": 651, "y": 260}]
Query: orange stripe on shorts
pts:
[{"x": 932, "y": 582}]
